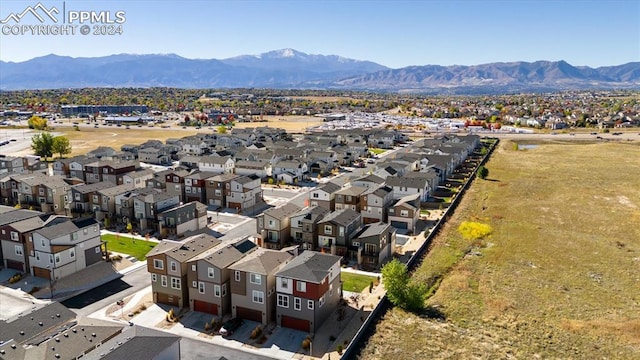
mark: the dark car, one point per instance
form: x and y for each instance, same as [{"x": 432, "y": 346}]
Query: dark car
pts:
[{"x": 231, "y": 326}]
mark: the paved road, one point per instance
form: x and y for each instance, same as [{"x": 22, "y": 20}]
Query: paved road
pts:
[{"x": 107, "y": 294}]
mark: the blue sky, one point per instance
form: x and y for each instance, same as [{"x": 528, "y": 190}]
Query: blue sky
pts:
[{"x": 392, "y": 33}]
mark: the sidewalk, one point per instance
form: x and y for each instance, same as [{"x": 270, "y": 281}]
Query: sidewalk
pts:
[{"x": 84, "y": 280}]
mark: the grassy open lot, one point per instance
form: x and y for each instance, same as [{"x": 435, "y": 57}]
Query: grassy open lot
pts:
[
  {"x": 355, "y": 282},
  {"x": 377, "y": 151},
  {"x": 558, "y": 278},
  {"x": 126, "y": 245}
]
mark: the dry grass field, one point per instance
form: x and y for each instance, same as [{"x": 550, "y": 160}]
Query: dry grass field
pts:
[{"x": 559, "y": 277}]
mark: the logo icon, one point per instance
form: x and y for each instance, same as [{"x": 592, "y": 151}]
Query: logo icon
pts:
[{"x": 35, "y": 12}]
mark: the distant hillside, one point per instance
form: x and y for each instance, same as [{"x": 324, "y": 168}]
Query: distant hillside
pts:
[
  {"x": 288, "y": 68},
  {"x": 499, "y": 77}
]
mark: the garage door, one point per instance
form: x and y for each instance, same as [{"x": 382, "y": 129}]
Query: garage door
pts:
[
  {"x": 205, "y": 307},
  {"x": 399, "y": 225},
  {"x": 249, "y": 314},
  {"x": 40, "y": 272},
  {"x": 168, "y": 299},
  {"x": 15, "y": 265},
  {"x": 293, "y": 323}
]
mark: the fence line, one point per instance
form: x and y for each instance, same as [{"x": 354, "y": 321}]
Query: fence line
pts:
[{"x": 363, "y": 333}]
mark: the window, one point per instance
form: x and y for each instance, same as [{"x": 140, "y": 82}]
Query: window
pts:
[
  {"x": 97, "y": 248},
  {"x": 19, "y": 250},
  {"x": 327, "y": 229},
  {"x": 283, "y": 301},
  {"x": 51, "y": 258},
  {"x": 224, "y": 289},
  {"x": 316, "y": 195},
  {"x": 85, "y": 231},
  {"x": 200, "y": 287},
  {"x": 341, "y": 231},
  {"x": 14, "y": 236},
  {"x": 310, "y": 304},
  {"x": 284, "y": 283},
  {"x": 216, "y": 290},
  {"x": 193, "y": 267},
  {"x": 237, "y": 275},
  {"x": 72, "y": 253},
  {"x": 355, "y": 243},
  {"x": 272, "y": 224},
  {"x": 154, "y": 277},
  {"x": 57, "y": 258},
  {"x": 158, "y": 264},
  {"x": 321, "y": 301},
  {"x": 330, "y": 289},
  {"x": 175, "y": 283},
  {"x": 258, "y": 297},
  {"x": 37, "y": 256},
  {"x": 210, "y": 272},
  {"x": 194, "y": 284},
  {"x": 256, "y": 279},
  {"x": 404, "y": 213},
  {"x": 301, "y": 286},
  {"x": 163, "y": 279},
  {"x": 174, "y": 266},
  {"x": 297, "y": 303}
]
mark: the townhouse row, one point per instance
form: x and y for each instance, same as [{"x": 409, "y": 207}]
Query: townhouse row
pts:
[{"x": 239, "y": 279}]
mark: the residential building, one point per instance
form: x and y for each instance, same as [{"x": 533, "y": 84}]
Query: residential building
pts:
[
  {"x": 375, "y": 245},
  {"x": 15, "y": 232},
  {"x": 244, "y": 193},
  {"x": 308, "y": 291},
  {"x": 209, "y": 277},
  {"x": 336, "y": 230},
  {"x": 324, "y": 196},
  {"x": 181, "y": 219},
  {"x": 375, "y": 203},
  {"x": 253, "y": 284},
  {"x": 64, "y": 247},
  {"x": 147, "y": 206},
  {"x": 167, "y": 264},
  {"x": 216, "y": 164},
  {"x": 216, "y": 189},
  {"x": 405, "y": 213},
  {"x": 274, "y": 226},
  {"x": 349, "y": 198}
]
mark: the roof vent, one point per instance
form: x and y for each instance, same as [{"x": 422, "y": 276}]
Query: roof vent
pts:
[
  {"x": 40, "y": 323},
  {"x": 74, "y": 330},
  {"x": 57, "y": 315},
  {"x": 57, "y": 339},
  {"x": 13, "y": 346},
  {"x": 93, "y": 334},
  {"x": 57, "y": 356},
  {"x": 21, "y": 332},
  {"x": 66, "y": 335}
]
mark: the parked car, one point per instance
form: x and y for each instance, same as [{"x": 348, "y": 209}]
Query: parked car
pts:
[{"x": 229, "y": 327}]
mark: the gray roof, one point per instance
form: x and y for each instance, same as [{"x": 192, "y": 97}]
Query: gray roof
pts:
[
  {"x": 341, "y": 217},
  {"x": 116, "y": 190},
  {"x": 408, "y": 201},
  {"x": 143, "y": 344},
  {"x": 352, "y": 191},
  {"x": 370, "y": 178},
  {"x": 373, "y": 229},
  {"x": 380, "y": 191},
  {"x": 262, "y": 261},
  {"x": 329, "y": 188},
  {"x": 221, "y": 256},
  {"x": 12, "y": 215},
  {"x": 51, "y": 316},
  {"x": 222, "y": 177},
  {"x": 282, "y": 212},
  {"x": 310, "y": 266},
  {"x": 408, "y": 182},
  {"x": 28, "y": 224},
  {"x": 186, "y": 249},
  {"x": 89, "y": 188}
]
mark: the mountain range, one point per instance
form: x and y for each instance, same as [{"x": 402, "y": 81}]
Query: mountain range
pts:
[{"x": 288, "y": 68}]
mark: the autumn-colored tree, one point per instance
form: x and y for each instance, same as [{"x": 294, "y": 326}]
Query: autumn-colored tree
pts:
[
  {"x": 36, "y": 122},
  {"x": 61, "y": 146}
]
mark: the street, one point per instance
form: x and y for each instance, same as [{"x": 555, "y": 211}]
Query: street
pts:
[{"x": 109, "y": 293}]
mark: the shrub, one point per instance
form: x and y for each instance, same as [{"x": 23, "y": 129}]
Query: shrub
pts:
[
  {"x": 339, "y": 349},
  {"x": 256, "y": 332},
  {"x": 474, "y": 230},
  {"x": 306, "y": 343}
]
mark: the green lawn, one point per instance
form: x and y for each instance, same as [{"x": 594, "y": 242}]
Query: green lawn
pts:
[
  {"x": 355, "y": 282},
  {"x": 126, "y": 245},
  {"x": 377, "y": 151}
]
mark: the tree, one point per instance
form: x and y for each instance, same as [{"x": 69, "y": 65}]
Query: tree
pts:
[
  {"x": 36, "y": 122},
  {"x": 61, "y": 146},
  {"x": 400, "y": 292},
  {"x": 471, "y": 230},
  {"x": 483, "y": 172},
  {"x": 222, "y": 129},
  {"x": 42, "y": 144}
]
